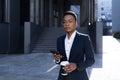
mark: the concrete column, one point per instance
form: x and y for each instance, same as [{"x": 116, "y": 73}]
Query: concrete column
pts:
[
  {"x": 50, "y": 13},
  {"x": 99, "y": 33},
  {"x": 92, "y": 11},
  {"x": 89, "y": 12},
  {"x": 116, "y": 15},
  {"x": 84, "y": 12},
  {"x": 27, "y": 37},
  {"x": 42, "y": 12},
  {"x": 61, "y": 11}
]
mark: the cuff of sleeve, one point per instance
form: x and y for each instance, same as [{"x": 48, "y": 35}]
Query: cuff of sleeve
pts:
[
  {"x": 57, "y": 62},
  {"x": 78, "y": 68}
]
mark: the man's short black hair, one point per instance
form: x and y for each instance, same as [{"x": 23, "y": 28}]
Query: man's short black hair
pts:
[{"x": 71, "y": 13}]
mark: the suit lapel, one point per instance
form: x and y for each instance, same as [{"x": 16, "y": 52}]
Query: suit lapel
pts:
[
  {"x": 73, "y": 47},
  {"x": 63, "y": 47}
]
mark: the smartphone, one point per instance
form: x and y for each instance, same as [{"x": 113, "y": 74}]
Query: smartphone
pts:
[{"x": 54, "y": 51}]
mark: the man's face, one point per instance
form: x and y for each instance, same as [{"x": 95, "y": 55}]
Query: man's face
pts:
[{"x": 69, "y": 23}]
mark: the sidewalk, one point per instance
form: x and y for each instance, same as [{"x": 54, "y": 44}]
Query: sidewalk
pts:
[
  {"x": 110, "y": 69},
  {"x": 40, "y": 66}
]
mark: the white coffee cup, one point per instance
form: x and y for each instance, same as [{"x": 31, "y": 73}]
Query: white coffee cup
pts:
[{"x": 64, "y": 63}]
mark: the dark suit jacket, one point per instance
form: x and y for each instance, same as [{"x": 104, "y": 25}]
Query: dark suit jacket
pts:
[{"x": 81, "y": 53}]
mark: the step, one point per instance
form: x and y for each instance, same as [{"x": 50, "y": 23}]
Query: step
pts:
[{"x": 48, "y": 38}]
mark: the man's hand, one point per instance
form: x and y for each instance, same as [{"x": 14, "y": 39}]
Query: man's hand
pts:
[
  {"x": 57, "y": 57},
  {"x": 70, "y": 67}
]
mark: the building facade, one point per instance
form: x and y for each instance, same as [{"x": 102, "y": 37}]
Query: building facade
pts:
[
  {"x": 115, "y": 16},
  {"x": 38, "y": 14}
]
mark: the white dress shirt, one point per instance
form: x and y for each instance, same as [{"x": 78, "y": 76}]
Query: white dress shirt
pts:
[{"x": 68, "y": 44}]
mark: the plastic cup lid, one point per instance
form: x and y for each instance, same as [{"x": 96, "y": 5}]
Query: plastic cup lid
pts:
[{"x": 64, "y": 63}]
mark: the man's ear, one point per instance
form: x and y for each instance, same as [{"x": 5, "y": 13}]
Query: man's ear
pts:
[{"x": 76, "y": 23}]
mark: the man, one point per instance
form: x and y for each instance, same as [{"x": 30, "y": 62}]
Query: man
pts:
[{"x": 75, "y": 48}]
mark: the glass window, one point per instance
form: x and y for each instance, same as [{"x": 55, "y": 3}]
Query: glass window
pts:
[
  {"x": 32, "y": 10},
  {"x": 2, "y": 10},
  {"x": 37, "y": 12}
]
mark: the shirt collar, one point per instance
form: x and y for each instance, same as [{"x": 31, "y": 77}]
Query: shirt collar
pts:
[{"x": 73, "y": 35}]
